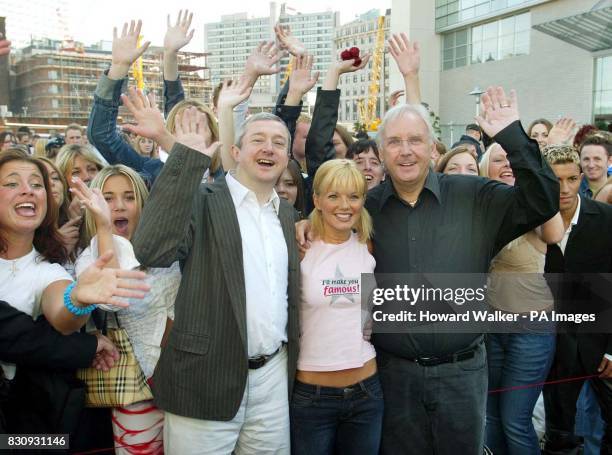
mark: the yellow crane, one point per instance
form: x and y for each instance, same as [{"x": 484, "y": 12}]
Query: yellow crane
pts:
[
  {"x": 137, "y": 70},
  {"x": 367, "y": 107}
]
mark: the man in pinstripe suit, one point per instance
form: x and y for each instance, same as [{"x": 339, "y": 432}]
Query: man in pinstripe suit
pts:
[{"x": 226, "y": 373}]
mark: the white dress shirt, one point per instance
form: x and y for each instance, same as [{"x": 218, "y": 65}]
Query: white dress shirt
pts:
[
  {"x": 264, "y": 255},
  {"x": 568, "y": 231}
]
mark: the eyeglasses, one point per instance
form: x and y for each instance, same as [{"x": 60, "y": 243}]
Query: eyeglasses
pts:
[{"x": 395, "y": 143}]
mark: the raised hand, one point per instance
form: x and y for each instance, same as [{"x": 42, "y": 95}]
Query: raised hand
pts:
[
  {"x": 497, "y": 111},
  {"x": 106, "y": 354},
  {"x": 178, "y": 35},
  {"x": 263, "y": 60},
  {"x": 189, "y": 126},
  {"x": 5, "y": 45},
  {"x": 289, "y": 42},
  {"x": 234, "y": 92},
  {"x": 125, "y": 49},
  {"x": 406, "y": 54},
  {"x": 98, "y": 284},
  {"x": 394, "y": 97},
  {"x": 562, "y": 132},
  {"x": 347, "y": 66},
  {"x": 302, "y": 78},
  {"x": 70, "y": 232},
  {"x": 94, "y": 201},
  {"x": 149, "y": 120}
]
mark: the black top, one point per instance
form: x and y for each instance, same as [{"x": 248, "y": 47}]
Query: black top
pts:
[{"x": 457, "y": 226}]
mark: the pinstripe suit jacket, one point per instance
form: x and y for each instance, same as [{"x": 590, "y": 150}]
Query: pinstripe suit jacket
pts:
[{"x": 202, "y": 371}]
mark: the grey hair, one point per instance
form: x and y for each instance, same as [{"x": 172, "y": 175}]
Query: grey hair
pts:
[
  {"x": 262, "y": 116},
  {"x": 400, "y": 111}
]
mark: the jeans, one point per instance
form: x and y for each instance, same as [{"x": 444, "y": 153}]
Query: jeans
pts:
[
  {"x": 328, "y": 420},
  {"x": 515, "y": 360},
  {"x": 433, "y": 409},
  {"x": 589, "y": 423}
]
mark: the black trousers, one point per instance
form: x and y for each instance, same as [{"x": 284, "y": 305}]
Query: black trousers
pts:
[
  {"x": 433, "y": 409},
  {"x": 560, "y": 405}
]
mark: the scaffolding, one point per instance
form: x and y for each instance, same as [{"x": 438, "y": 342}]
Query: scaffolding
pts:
[{"x": 53, "y": 83}]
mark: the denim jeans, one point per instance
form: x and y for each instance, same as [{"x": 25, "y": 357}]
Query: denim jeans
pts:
[
  {"x": 433, "y": 409},
  {"x": 589, "y": 423},
  {"x": 515, "y": 360},
  {"x": 328, "y": 420}
]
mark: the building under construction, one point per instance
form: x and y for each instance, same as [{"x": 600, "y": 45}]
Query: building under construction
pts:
[{"x": 55, "y": 79}]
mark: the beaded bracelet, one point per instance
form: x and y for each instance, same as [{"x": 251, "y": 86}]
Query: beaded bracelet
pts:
[{"x": 77, "y": 311}]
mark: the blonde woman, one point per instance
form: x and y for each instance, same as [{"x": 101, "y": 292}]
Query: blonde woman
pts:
[
  {"x": 114, "y": 202},
  {"x": 517, "y": 285},
  {"x": 74, "y": 160},
  {"x": 39, "y": 148},
  {"x": 146, "y": 147},
  {"x": 337, "y": 402}
]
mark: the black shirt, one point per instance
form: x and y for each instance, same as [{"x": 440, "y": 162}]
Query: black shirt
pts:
[{"x": 458, "y": 225}]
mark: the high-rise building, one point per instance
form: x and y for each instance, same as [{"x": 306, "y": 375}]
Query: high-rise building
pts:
[
  {"x": 51, "y": 82},
  {"x": 362, "y": 33},
  {"x": 557, "y": 54},
  {"x": 230, "y": 42},
  {"x": 317, "y": 31}
]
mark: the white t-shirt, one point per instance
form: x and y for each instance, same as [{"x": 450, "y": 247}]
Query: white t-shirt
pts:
[{"x": 22, "y": 283}]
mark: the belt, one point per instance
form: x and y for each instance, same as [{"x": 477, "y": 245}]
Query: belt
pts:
[
  {"x": 259, "y": 361},
  {"x": 448, "y": 358}
]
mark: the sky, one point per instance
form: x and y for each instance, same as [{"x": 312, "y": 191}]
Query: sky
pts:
[{"x": 94, "y": 20}]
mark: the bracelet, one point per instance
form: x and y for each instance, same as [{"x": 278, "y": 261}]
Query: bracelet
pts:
[{"x": 77, "y": 311}]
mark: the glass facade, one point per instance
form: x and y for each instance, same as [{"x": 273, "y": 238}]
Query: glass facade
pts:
[
  {"x": 451, "y": 12},
  {"x": 496, "y": 40},
  {"x": 602, "y": 93}
]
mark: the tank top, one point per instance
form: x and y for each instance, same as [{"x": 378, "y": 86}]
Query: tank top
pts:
[
  {"x": 330, "y": 310},
  {"x": 516, "y": 280}
]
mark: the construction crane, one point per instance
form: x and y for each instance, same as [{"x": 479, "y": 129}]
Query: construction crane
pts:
[
  {"x": 137, "y": 71},
  {"x": 367, "y": 107},
  {"x": 287, "y": 71},
  {"x": 68, "y": 43}
]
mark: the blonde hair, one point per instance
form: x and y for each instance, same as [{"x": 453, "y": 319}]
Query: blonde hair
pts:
[
  {"x": 212, "y": 124},
  {"x": 154, "y": 151},
  {"x": 561, "y": 154},
  {"x": 140, "y": 192},
  {"x": 483, "y": 166},
  {"x": 341, "y": 174},
  {"x": 39, "y": 148},
  {"x": 67, "y": 154}
]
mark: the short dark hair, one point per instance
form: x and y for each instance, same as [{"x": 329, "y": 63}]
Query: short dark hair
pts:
[
  {"x": 362, "y": 146},
  {"x": 602, "y": 138},
  {"x": 473, "y": 127}
]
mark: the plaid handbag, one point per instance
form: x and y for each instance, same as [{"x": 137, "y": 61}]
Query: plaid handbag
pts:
[{"x": 124, "y": 383}]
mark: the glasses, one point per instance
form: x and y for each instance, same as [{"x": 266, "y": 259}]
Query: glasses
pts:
[{"x": 395, "y": 143}]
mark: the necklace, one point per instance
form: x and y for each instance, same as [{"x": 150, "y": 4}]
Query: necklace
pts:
[{"x": 413, "y": 203}]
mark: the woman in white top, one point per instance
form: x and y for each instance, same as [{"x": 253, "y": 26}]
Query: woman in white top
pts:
[
  {"x": 114, "y": 202},
  {"x": 337, "y": 402},
  {"x": 31, "y": 250}
]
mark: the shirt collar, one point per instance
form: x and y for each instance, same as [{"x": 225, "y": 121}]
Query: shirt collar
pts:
[
  {"x": 574, "y": 221},
  {"x": 239, "y": 192},
  {"x": 431, "y": 183}
]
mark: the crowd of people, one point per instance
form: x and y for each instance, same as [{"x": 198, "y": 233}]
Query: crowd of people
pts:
[{"x": 230, "y": 247}]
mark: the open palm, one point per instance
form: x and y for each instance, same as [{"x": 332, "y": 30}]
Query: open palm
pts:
[
  {"x": 497, "y": 111},
  {"x": 178, "y": 35}
]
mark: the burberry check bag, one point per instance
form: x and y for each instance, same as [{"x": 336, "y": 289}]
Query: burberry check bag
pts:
[{"x": 122, "y": 385}]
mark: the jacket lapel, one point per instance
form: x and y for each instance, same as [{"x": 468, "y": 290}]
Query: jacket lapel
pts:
[
  {"x": 226, "y": 230},
  {"x": 286, "y": 216}
]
